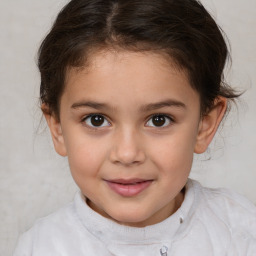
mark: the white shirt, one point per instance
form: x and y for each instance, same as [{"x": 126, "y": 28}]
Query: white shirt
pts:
[{"x": 209, "y": 222}]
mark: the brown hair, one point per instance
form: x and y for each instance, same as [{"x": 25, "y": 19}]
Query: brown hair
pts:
[{"x": 181, "y": 28}]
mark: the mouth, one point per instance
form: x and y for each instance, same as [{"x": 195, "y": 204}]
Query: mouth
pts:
[{"x": 130, "y": 187}]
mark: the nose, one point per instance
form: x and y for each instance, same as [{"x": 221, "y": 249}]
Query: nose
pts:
[{"x": 127, "y": 148}]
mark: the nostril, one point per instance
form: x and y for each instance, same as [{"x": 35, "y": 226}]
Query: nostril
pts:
[{"x": 127, "y": 156}]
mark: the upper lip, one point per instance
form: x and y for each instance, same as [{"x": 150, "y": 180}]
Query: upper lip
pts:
[{"x": 128, "y": 181}]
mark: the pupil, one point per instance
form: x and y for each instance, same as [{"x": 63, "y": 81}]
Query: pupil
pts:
[
  {"x": 97, "y": 120},
  {"x": 158, "y": 120}
]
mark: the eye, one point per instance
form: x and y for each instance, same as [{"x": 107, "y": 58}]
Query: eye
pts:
[
  {"x": 96, "y": 121},
  {"x": 159, "y": 121}
]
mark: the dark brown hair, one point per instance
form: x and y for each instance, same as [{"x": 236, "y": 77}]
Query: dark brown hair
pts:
[{"x": 183, "y": 29}]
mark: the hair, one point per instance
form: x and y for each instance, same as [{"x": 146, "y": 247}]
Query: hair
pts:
[{"x": 180, "y": 29}]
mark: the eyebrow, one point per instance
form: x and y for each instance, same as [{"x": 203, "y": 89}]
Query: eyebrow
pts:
[
  {"x": 90, "y": 104},
  {"x": 162, "y": 104},
  {"x": 145, "y": 108}
]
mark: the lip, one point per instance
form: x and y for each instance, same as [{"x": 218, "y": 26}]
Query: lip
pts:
[{"x": 128, "y": 187}]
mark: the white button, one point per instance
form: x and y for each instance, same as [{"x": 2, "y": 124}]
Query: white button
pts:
[{"x": 164, "y": 250}]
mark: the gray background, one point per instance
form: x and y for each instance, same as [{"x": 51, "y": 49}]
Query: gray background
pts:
[{"x": 35, "y": 181}]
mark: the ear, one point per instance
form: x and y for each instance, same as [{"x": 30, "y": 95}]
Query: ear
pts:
[
  {"x": 55, "y": 129},
  {"x": 209, "y": 125}
]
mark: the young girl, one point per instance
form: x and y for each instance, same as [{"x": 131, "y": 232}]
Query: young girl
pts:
[{"x": 130, "y": 90}]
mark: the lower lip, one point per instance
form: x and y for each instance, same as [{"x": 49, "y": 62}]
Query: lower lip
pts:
[{"x": 129, "y": 190}]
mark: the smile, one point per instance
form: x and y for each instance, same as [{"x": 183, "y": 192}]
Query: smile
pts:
[{"x": 128, "y": 188}]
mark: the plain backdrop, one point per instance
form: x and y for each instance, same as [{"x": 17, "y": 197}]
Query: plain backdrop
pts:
[{"x": 35, "y": 181}]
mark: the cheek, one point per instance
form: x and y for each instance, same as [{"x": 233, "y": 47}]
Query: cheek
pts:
[
  {"x": 174, "y": 154},
  {"x": 175, "y": 157},
  {"x": 86, "y": 157}
]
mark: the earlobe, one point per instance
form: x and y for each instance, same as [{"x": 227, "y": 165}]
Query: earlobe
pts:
[
  {"x": 209, "y": 125},
  {"x": 56, "y": 132}
]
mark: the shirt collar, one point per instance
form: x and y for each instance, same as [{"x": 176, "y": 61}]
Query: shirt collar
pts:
[{"x": 109, "y": 231}]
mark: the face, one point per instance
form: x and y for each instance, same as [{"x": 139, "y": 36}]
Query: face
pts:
[{"x": 129, "y": 124}]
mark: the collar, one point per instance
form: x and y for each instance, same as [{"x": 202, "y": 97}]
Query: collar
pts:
[{"x": 109, "y": 231}]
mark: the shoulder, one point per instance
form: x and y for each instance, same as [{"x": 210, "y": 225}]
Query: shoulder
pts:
[
  {"x": 47, "y": 231},
  {"x": 228, "y": 209},
  {"x": 58, "y": 221},
  {"x": 227, "y": 204}
]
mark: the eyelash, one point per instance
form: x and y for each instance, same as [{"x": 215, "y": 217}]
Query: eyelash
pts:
[
  {"x": 166, "y": 116},
  {"x": 94, "y": 115}
]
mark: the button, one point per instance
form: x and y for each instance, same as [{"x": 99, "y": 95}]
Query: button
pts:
[{"x": 164, "y": 250}]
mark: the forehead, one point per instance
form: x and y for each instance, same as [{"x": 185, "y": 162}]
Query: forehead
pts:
[{"x": 129, "y": 76}]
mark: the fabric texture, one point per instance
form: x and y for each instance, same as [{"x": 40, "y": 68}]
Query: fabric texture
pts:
[{"x": 212, "y": 222}]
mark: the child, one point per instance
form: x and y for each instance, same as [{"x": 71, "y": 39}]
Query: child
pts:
[{"x": 130, "y": 90}]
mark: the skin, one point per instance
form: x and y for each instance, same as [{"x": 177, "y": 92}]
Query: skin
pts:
[{"x": 127, "y": 89}]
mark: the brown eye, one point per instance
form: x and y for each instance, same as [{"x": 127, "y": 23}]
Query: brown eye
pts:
[
  {"x": 96, "y": 121},
  {"x": 159, "y": 121}
]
